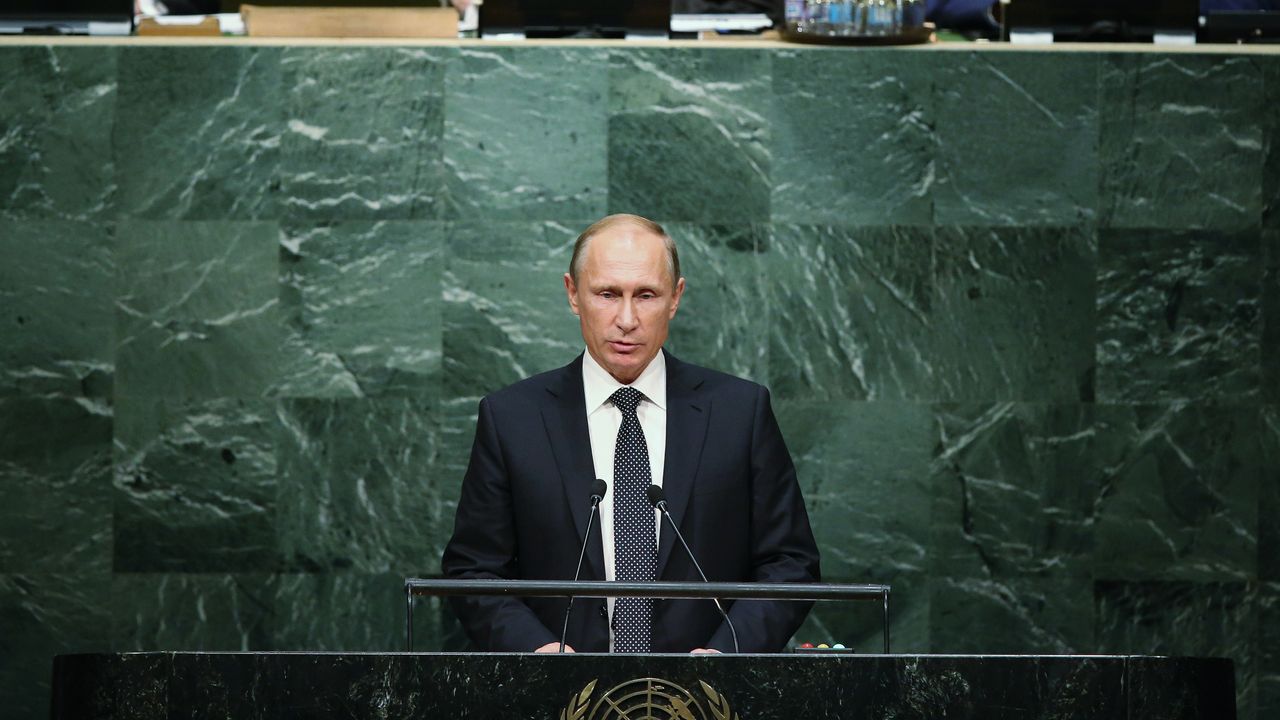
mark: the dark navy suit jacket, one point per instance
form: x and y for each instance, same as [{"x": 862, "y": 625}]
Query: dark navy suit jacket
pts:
[{"x": 728, "y": 480}]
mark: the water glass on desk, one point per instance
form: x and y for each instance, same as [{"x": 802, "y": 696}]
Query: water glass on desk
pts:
[{"x": 853, "y": 18}]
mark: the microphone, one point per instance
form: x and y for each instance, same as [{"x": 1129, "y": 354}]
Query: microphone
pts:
[
  {"x": 659, "y": 500},
  {"x": 598, "y": 489}
]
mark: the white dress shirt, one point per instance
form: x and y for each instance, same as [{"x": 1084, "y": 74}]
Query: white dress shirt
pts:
[{"x": 603, "y": 422}]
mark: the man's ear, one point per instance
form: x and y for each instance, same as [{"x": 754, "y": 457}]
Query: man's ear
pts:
[
  {"x": 675, "y": 298},
  {"x": 571, "y": 289}
]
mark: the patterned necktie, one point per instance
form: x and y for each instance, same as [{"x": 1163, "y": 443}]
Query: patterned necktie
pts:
[{"x": 635, "y": 546}]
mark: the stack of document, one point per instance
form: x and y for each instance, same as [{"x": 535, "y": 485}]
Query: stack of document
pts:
[
  {"x": 729, "y": 22},
  {"x": 217, "y": 24}
]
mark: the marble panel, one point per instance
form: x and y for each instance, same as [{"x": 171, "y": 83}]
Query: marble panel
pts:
[
  {"x": 379, "y": 689},
  {"x": 197, "y": 132},
  {"x": 145, "y": 697},
  {"x": 850, "y": 312},
  {"x": 1017, "y": 136},
  {"x": 1012, "y": 614},
  {"x": 853, "y": 138},
  {"x": 1014, "y": 490},
  {"x": 904, "y": 687},
  {"x": 350, "y": 612},
  {"x": 505, "y": 313},
  {"x": 55, "y": 485},
  {"x": 1179, "y": 315},
  {"x": 271, "y": 685},
  {"x": 525, "y": 133},
  {"x": 505, "y": 318},
  {"x": 1182, "y": 619},
  {"x": 195, "y": 486},
  {"x": 689, "y": 134},
  {"x": 43, "y": 615},
  {"x": 1180, "y": 492},
  {"x": 1271, "y": 143},
  {"x": 457, "y": 433},
  {"x": 56, "y": 331},
  {"x": 363, "y": 132},
  {"x": 56, "y": 109},
  {"x": 1013, "y": 314},
  {"x": 723, "y": 321},
  {"x": 97, "y": 680},
  {"x": 197, "y": 314},
  {"x": 1269, "y": 495},
  {"x": 860, "y": 624},
  {"x": 1271, "y": 316},
  {"x": 1179, "y": 687},
  {"x": 357, "y": 490},
  {"x": 361, "y": 301},
  {"x": 188, "y": 611},
  {"x": 1180, "y": 141},
  {"x": 1268, "y": 650},
  {"x": 246, "y": 687},
  {"x": 864, "y": 471}
]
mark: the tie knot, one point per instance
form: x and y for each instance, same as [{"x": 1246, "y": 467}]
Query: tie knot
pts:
[{"x": 626, "y": 399}]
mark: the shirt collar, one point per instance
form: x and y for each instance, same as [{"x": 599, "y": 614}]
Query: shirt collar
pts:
[{"x": 598, "y": 385}]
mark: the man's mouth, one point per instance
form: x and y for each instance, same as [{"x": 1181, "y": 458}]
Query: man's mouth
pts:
[{"x": 623, "y": 347}]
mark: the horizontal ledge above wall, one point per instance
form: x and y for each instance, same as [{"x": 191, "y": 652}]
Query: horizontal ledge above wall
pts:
[{"x": 224, "y": 41}]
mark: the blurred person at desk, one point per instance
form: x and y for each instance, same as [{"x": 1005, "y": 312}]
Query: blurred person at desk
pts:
[
  {"x": 772, "y": 8},
  {"x": 1217, "y": 5}
]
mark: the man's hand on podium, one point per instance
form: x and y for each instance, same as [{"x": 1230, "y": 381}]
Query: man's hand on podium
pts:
[
  {"x": 704, "y": 651},
  {"x": 553, "y": 647}
]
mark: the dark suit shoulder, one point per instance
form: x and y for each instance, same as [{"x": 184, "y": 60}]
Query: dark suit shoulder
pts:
[{"x": 710, "y": 381}]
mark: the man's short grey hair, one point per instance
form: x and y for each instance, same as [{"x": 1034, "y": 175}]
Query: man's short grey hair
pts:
[{"x": 611, "y": 221}]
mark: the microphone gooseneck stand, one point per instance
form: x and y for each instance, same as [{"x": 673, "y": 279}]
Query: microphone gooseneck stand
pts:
[
  {"x": 659, "y": 500},
  {"x": 598, "y": 489}
]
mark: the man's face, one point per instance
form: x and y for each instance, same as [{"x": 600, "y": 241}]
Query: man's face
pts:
[{"x": 625, "y": 299}]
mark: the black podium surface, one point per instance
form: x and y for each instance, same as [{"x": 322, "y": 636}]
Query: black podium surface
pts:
[{"x": 590, "y": 687}]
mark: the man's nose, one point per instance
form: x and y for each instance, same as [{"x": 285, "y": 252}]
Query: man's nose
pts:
[{"x": 627, "y": 318}]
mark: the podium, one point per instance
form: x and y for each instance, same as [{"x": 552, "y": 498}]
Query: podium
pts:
[
  {"x": 164, "y": 685},
  {"x": 586, "y": 686}
]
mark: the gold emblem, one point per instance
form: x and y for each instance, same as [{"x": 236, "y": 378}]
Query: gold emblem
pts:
[{"x": 648, "y": 699}]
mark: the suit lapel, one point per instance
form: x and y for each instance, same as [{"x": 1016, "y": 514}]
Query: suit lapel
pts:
[
  {"x": 687, "y": 415},
  {"x": 565, "y": 418}
]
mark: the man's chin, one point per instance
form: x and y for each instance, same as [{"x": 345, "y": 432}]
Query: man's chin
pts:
[{"x": 625, "y": 367}]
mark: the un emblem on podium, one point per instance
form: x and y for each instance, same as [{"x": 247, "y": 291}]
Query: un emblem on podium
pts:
[{"x": 648, "y": 699}]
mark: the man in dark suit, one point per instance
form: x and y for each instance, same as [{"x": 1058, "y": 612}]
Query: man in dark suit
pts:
[{"x": 632, "y": 414}]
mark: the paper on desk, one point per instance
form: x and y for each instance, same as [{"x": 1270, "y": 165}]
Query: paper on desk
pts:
[
  {"x": 228, "y": 23},
  {"x": 695, "y": 22}
]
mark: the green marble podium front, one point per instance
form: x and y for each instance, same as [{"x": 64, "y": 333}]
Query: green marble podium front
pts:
[{"x": 143, "y": 686}]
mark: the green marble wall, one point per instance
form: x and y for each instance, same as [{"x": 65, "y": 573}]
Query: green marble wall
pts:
[{"x": 1020, "y": 312}]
